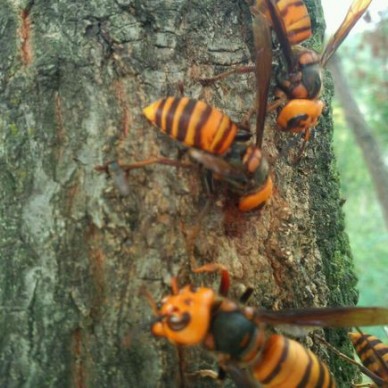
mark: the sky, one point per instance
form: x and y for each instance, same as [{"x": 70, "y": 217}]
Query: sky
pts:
[{"x": 334, "y": 19}]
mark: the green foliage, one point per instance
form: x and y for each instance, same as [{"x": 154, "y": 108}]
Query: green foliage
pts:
[
  {"x": 365, "y": 59},
  {"x": 364, "y": 221}
]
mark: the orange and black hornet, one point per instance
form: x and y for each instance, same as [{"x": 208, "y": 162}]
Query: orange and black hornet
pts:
[
  {"x": 244, "y": 168},
  {"x": 215, "y": 140},
  {"x": 194, "y": 123},
  {"x": 373, "y": 355},
  {"x": 301, "y": 80},
  {"x": 236, "y": 334}
]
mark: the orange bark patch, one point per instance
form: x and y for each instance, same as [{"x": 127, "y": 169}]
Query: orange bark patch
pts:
[
  {"x": 59, "y": 119},
  {"x": 78, "y": 365},
  {"x": 96, "y": 259},
  {"x": 126, "y": 117},
  {"x": 25, "y": 35}
]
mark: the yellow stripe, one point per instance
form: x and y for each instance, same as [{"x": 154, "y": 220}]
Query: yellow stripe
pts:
[
  {"x": 270, "y": 358},
  {"x": 150, "y": 111},
  {"x": 224, "y": 124},
  {"x": 191, "y": 129},
  {"x": 211, "y": 129}
]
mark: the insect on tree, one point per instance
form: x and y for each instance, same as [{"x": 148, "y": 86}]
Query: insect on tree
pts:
[{"x": 236, "y": 334}]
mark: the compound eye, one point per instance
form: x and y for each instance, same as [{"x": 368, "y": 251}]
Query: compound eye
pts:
[{"x": 178, "y": 323}]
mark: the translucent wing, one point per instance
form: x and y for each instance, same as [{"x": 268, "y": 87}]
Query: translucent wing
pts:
[
  {"x": 291, "y": 21},
  {"x": 354, "y": 13},
  {"x": 281, "y": 32},
  {"x": 326, "y": 317},
  {"x": 218, "y": 166},
  {"x": 263, "y": 69}
]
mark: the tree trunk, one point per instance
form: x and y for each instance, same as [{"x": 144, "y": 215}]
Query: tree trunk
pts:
[{"x": 75, "y": 252}]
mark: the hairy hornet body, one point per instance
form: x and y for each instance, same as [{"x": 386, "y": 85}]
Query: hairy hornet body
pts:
[
  {"x": 373, "y": 354},
  {"x": 215, "y": 142},
  {"x": 192, "y": 316},
  {"x": 200, "y": 316},
  {"x": 274, "y": 361},
  {"x": 246, "y": 172},
  {"x": 291, "y": 21},
  {"x": 302, "y": 77},
  {"x": 293, "y": 15},
  {"x": 194, "y": 123},
  {"x": 306, "y": 80}
]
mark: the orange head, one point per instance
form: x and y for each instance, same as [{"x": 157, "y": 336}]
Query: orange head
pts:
[{"x": 185, "y": 316}]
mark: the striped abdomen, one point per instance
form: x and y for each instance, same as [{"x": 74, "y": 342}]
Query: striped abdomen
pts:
[
  {"x": 299, "y": 115},
  {"x": 296, "y": 20},
  {"x": 193, "y": 122},
  {"x": 285, "y": 363},
  {"x": 372, "y": 352},
  {"x": 258, "y": 168}
]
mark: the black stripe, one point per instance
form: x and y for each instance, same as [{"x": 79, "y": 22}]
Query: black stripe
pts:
[
  {"x": 306, "y": 376},
  {"x": 278, "y": 366},
  {"x": 322, "y": 373},
  {"x": 298, "y": 30},
  {"x": 368, "y": 345},
  {"x": 360, "y": 340},
  {"x": 159, "y": 113},
  {"x": 185, "y": 119},
  {"x": 297, "y": 121},
  {"x": 224, "y": 136},
  {"x": 376, "y": 357},
  {"x": 171, "y": 114},
  {"x": 371, "y": 362},
  {"x": 200, "y": 124},
  {"x": 299, "y": 3},
  {"x": 382, "y": 350},
  {"x": 285, "y": 10}
]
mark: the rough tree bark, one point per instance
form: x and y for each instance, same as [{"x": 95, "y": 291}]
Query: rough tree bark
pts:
[{"x": 75, "y": 253}]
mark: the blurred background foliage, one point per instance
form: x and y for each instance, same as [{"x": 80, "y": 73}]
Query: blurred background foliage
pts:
[{"x": 365, "y": 60}]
